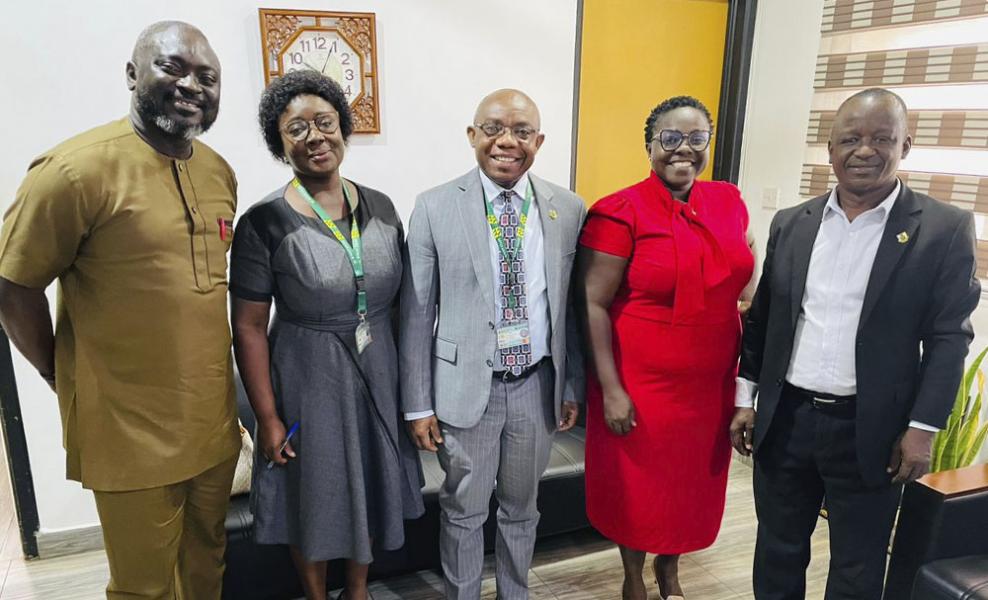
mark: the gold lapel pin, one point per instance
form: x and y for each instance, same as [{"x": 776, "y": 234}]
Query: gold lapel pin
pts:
[
  {"x": 553, "y": 214},
  {"x": 903, "y": 237}
]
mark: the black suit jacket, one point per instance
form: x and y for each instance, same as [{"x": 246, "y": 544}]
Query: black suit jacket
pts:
[{"x": 914, "y": 329}]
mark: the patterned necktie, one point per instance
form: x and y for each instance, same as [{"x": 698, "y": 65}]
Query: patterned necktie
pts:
[{"x": 514, "y": 304}]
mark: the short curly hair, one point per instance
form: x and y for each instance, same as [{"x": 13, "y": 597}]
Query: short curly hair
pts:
[
  {"x": 286, "y": 88},
  {"x": 672, "y": 104}
]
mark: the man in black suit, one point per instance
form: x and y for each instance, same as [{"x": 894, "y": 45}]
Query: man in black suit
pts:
[{"x": 854, "y": 345}]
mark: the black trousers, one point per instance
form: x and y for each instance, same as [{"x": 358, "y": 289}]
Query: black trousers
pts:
[{"x": 806, "y": 456}]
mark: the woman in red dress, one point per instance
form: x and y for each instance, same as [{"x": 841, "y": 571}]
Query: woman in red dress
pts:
[{"x": 664, "y": 263}]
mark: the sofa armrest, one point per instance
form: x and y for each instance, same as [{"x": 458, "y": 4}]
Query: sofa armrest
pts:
[{"x": 943, "y": 515}]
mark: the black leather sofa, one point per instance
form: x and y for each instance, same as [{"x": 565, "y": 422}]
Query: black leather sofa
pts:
[
  {"x": 940, "y": 550},
  {"x": 255, "y": 572},
  {"x": 964, "y": 578}
]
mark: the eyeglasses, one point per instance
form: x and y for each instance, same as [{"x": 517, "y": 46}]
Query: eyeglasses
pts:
[
  {"x": 672, "y": 139},
  {"x": 522, "y": 133},
  {"x": 299, "y": 129}
]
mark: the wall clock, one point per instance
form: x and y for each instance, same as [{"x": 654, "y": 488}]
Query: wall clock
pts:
[{"x": 340, "y": 45}]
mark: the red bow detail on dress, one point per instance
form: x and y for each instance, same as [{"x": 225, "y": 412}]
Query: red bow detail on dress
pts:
[{"x": 700, "y": 261}]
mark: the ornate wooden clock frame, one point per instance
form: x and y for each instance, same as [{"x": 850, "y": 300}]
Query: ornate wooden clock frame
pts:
[{"x": 287, "y": 34}]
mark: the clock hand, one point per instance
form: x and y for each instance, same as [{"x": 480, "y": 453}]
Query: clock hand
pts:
[
  {"x": 328, "y": 54},
  {"x": 306, "y": 63}
]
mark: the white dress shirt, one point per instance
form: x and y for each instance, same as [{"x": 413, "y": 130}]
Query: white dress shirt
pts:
[
  {"x": 823, "y": 354},
  {"x": 536, "y": 288}
]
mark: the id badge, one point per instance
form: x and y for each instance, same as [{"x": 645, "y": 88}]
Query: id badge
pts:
[
  {"x": 363, "y": 335},
  {"x": 509, "y": 336}
]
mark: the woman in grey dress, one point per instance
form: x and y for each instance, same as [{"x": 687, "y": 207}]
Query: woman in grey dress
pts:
[{"x": 349, "y": 476}]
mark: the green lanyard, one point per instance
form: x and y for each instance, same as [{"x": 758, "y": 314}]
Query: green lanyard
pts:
[
  {"x": 522, "y": 224},
  {"x": 354, "y": 252}
]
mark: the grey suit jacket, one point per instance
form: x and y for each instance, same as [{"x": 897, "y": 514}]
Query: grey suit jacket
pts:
[
  {"x": 447, "y": 334},
  {"x": 914, "y": 329}
]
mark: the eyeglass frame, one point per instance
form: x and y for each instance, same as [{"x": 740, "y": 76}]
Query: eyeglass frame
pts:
[
  {"x": 685, "y": 138},
  {"x": 309, "y": 124},
  {"x": 534, "y": 132}
]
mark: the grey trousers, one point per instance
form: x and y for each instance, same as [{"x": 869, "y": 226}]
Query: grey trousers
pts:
[{"x": 507, "y": 452}]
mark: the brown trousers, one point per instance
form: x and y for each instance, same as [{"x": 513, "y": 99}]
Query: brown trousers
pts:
[{"x": 167, "y": 543}]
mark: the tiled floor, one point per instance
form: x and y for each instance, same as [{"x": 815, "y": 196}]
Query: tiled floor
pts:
[
  {"x": 580, "y": 566},
  {"x": 10, "y": 544}
]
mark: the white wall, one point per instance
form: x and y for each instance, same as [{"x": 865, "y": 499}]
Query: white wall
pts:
[
  {"x": 436, "y": 58},
  {"x": 780, "y": 88}
]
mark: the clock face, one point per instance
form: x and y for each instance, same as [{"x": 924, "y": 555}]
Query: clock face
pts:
[
  {"x": 325, "y": 51},
  {"x": 340, "y": 45}
]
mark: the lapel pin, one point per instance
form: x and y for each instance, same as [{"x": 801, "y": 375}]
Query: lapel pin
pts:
[
  {"x": 903, "y": 237},
  {"x": 553, "y": 214}
]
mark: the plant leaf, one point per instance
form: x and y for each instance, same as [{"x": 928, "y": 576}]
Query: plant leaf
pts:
[
  {"x": 981, "y": 381},
  {"x": 965, "y": 439},
  {"x": 943, "y": 440},
  {"x": 974, "y": 368},
  {"x": 964, "y": 392},
  {"x": 949, "y": 449},
  {"x": 975, "y": 449},
  {"x": 936, "y": 454}
]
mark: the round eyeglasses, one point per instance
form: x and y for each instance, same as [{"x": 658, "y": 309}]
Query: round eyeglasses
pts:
[
  {"x": 522, "y": 133},
  {"x": 299, "y": 129},
  {"x": 672, "y": 139}
]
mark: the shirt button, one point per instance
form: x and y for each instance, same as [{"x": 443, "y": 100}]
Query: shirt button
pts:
[
  {"x": 490, "y": 363},
  {"x": 194, "y": 210},
  {"x": 181, "y": 167},
  {"x": 490, "y": 324},
  {"x": 778, "y": 382}
]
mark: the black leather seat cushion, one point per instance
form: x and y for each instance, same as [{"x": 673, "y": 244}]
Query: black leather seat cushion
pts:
[
  {"x": 266, "y": 572},
  {"x": 566, "y": 460},
  {"x": 964, "y": 578}
]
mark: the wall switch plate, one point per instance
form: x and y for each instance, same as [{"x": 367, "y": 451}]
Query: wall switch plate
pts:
[{"x": 770, "y": 197}]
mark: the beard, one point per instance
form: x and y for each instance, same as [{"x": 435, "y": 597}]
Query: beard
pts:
[
  {"x": 172, "y": 127},
  {"x": 149, "y": 110}
]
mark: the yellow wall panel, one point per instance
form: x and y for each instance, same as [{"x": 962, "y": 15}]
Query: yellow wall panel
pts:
[{"x": 634, "y": 54}]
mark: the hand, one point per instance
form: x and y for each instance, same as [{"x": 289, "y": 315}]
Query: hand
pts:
[
  {"x": 742, "y": 427},
  {"x": 743, "y": 307},
  {"x": 568, "y": 415},
  {"x": 911, "y": 455},
  {"x": 271, "y": 435},
  {"x": 619, "y": 412},
  {"x": 425, "y": 433}
]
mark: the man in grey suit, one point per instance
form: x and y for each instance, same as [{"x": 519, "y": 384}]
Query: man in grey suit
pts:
[{"x": 486, "y": 288}]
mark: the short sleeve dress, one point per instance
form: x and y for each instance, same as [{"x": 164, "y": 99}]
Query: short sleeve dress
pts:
[
  {"x": 356, "y": 476},
  {"x": 675, "y": 336}
]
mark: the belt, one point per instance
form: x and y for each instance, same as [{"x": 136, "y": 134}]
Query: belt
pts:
[
  {"x": 508, "y": 376},
  {"x": 821, "y": 401}
]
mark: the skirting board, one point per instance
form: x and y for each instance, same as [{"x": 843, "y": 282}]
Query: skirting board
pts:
[{"x": 70, "y": 541}]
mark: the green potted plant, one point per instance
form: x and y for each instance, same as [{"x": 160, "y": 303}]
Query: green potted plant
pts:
[{"x": 958, "y": 444}]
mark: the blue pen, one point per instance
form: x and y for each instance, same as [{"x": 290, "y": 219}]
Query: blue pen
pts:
[{"x": 292, "y": 431}]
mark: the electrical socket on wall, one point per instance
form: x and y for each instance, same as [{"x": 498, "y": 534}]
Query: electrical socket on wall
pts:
[{"x": 770, "y": 197}]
